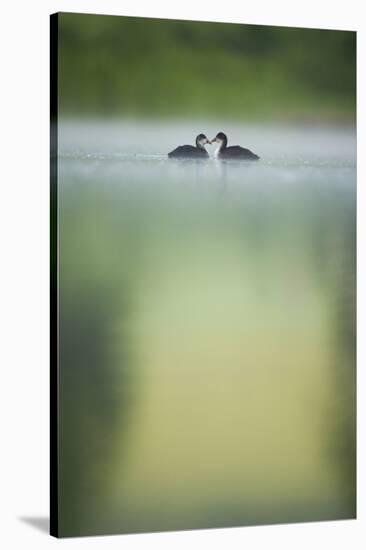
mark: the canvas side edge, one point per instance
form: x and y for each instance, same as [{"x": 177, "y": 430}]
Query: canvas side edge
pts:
[{"x": 54, "y": 509}]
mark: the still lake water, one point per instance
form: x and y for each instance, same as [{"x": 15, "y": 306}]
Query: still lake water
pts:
[{"x": 207, "y": 327}]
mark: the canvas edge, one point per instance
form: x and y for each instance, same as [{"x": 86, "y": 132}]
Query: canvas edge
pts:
[{"x": 54, "y": 511}]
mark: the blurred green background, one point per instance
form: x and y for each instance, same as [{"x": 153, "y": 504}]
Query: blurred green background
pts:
[{"x": 151, "y": 67}]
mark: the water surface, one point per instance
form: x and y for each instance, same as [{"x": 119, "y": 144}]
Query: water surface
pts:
[{"x": 207, "y": 327}]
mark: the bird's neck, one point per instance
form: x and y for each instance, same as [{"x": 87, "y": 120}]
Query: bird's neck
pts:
[{"x": 223, "y": 145}]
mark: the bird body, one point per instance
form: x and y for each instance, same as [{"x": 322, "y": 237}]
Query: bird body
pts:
[
  {"x": 191, "y": 151},
  {"x": 232, "y": 152}
]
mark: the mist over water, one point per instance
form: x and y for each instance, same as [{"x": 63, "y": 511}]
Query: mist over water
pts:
[{"x": 207, "y": 327}]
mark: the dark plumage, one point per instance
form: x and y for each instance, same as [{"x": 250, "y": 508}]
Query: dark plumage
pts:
[
  {"x": 189, "y": 151},
  {"x": 233, "y": 152}
]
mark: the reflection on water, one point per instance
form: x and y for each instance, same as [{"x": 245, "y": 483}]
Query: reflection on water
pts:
[{"x": 207, "y": 329}]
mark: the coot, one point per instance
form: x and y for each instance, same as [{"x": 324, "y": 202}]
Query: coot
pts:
[
  {"x": 233, "y": 152},
  {"x": 189, "y": 151}
]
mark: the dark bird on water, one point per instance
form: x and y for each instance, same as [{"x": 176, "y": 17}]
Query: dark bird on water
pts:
[
  {"x": 233, "y": 152},
  {"x": 191, "y": 151}
]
